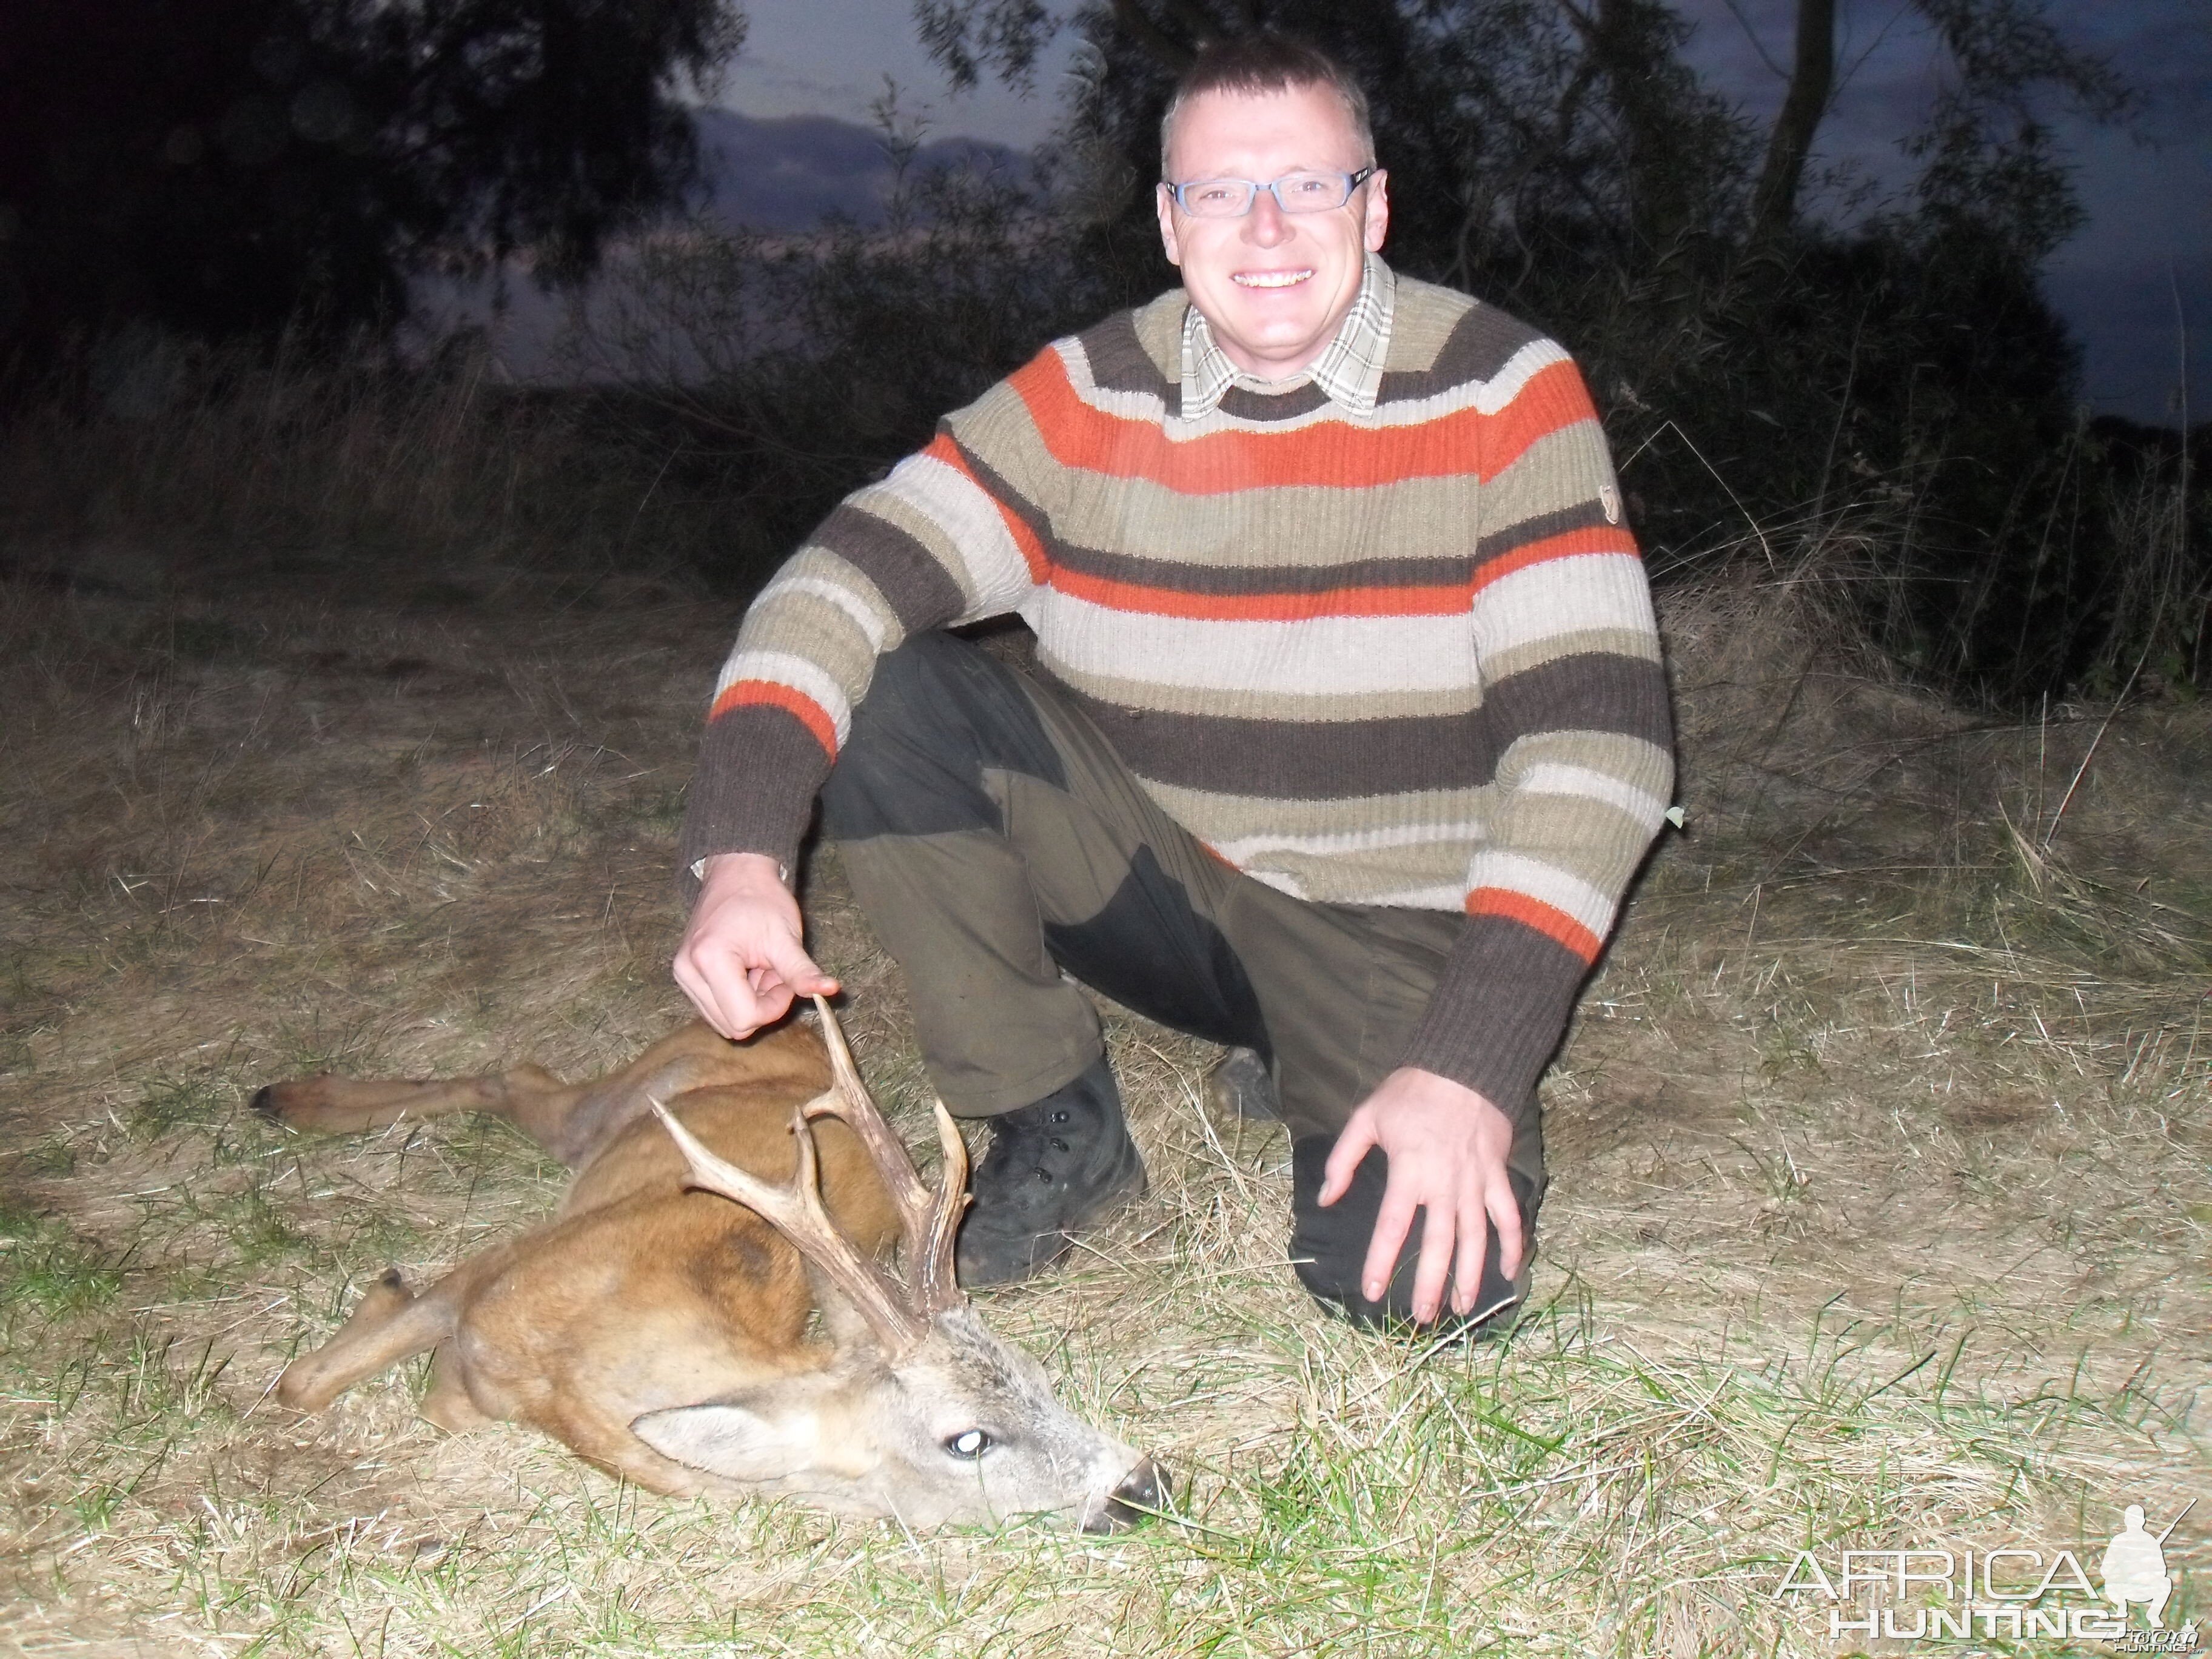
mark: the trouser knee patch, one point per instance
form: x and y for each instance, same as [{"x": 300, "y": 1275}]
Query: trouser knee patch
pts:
[{"x": 939, "y": 714}]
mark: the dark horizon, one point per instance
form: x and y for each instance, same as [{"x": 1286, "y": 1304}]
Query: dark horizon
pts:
[{"x": 804, "y": 167}]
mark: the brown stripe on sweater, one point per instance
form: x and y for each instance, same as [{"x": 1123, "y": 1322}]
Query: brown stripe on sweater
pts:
[
  {"x": 1496, "y": 543},
  {"x": 1482, "y": 344},
  {"x": 1119, "y": 361},
  {"x": 1448, "y": 568},
  {"x": 1499, "y": 1010},
  {"x": 1260, "y": 408},
  {"x": 1586, "y": 693},
  {"x": 1320, "y": 760},
  {"x": 920, "y": 590},
  {"x": 727, "y": 810}
]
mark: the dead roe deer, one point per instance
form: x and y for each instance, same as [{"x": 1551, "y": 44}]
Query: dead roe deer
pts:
[{"x": 668, "y": 1335}]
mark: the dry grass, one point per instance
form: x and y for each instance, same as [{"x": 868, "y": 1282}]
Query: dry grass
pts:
[
  {"x": 1880, "y": 1209},
  {"x": 265, "y": 444}
]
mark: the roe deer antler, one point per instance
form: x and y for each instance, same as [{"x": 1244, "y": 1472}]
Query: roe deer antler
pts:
[
  {"x": 796, "y": 1211},
  {"x": 899, "y": 1316},
  {"x": 928, "y": 1228}
]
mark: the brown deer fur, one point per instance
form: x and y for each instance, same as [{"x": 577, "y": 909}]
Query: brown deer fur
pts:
[{"x": 645, "y": 1306}]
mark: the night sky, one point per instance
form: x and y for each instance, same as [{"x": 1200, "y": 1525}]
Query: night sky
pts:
[{"x": 2148, "y": 190}]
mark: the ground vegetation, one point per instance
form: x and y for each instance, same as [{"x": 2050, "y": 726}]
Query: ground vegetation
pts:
[
  {"x": 1880, "y": 1145},
  {"x": 349, "y": 711}
]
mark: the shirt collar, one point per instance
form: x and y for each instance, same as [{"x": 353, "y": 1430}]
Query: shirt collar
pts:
[{"x": 1350, "y": 371}]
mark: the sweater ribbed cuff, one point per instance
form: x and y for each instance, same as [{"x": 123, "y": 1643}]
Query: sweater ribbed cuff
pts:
[
  {"x": 1499, "y": 1011},
  {"x": 753, "y": 792}
]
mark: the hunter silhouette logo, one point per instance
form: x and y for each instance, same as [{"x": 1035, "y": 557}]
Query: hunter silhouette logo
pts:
[
  {"x": 2135, "y": 1567},
  {"x": 1932, "y": 1594}
]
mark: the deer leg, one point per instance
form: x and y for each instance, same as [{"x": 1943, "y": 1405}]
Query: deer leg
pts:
[
  {"x": 448, "y": 1402},
  {"x": 595, "y": 1114},
  {"x": 391, "y": 1324},
  {"x": 611, "y": 1447},
  {"x": 571, "y": 1120},
  {"x": 529, "y": 1096}
]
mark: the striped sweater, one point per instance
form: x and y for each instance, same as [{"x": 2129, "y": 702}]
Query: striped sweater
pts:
[{"x": 1398, "y": 656}]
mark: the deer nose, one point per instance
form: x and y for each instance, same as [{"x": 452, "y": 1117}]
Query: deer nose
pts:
[{"x": 1143, "y": 1489}]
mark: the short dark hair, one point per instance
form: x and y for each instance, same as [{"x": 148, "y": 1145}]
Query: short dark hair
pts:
[{"x": 1263, "y": 62}]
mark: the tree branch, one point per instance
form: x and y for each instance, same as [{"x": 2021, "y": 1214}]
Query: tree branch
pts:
[
  {"x": 1201, "y": 24},
  {"x": 1156, "y": 43},
  {"x": 1811, "y": 80}
]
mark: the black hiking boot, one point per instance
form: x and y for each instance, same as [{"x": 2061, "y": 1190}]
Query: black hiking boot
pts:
[
  {"x": 1240, "y": 1086},
  {"x": 1054, "y": 1169}
]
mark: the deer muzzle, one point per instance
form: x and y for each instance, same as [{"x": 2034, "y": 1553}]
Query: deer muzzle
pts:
[{"x": 1142, "y": 1491}]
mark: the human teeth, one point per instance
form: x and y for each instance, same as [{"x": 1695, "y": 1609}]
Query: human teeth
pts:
[{"x": 1270, "y": 278}]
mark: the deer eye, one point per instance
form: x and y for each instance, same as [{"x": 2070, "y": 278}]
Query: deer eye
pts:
[{"x": 969, "y": 1443}]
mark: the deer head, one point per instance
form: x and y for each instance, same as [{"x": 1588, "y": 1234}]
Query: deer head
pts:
[{"x": 924, "y": 1414}]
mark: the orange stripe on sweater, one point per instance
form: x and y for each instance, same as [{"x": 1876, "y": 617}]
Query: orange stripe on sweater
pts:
[
  {"x": 1554, "y": 924},
  {"x": 1438, "y": 601},
  {"x": 1567, "y": 545},
  {"x": 942, "y": 448},
  {"x": 1328, "y": 455},
  {"x": 767, "y": 693}
]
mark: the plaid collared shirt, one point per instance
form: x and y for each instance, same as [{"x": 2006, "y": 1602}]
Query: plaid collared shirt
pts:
[{"x": 1350, "y": 371}]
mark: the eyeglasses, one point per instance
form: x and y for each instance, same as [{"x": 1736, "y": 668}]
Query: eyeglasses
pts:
[{"x": 1294, "y": 192}]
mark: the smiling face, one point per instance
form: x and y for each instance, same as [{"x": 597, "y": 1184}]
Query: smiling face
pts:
[{"x": 1274, "y": 288}]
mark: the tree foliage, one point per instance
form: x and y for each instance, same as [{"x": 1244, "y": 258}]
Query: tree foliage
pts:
[
  {"x": 778, "y": 372},
  {"x": 221, "y": 167}
]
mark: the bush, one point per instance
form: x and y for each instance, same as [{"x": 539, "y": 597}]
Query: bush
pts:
[
  {"x": 251, "y": 449},
  {"x": 783, "y": 372}
]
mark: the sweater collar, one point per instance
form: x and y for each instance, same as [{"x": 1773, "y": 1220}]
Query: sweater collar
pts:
[{"x": 1350, "y": 371}]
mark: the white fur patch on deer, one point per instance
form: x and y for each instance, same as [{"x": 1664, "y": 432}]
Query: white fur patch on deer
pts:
[{"x": 710, "y": 1310}]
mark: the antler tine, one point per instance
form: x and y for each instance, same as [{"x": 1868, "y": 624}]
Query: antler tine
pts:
[
  {"x": 894, "y": 1163},
  {"x": 936, "y": 1286},
  {"x": 796, "y": 1211}
]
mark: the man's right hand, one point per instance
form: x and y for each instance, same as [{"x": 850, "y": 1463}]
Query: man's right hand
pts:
[{"x": 744, "y": 957}]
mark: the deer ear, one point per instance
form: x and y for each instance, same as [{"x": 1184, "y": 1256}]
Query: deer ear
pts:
[{"x": 747, "y": 1442}]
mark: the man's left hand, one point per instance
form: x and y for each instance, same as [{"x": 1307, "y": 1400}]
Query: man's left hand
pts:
[{"x": 1447, "y": 1146}]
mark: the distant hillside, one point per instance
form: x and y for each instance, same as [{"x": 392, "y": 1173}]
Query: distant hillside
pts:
[
  {"x": 784, "y": 173},
  {"x": 787, "y": 172}
]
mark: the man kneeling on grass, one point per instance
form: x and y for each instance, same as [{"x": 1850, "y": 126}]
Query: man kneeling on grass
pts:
[{"x": 1349, "y": 725}]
